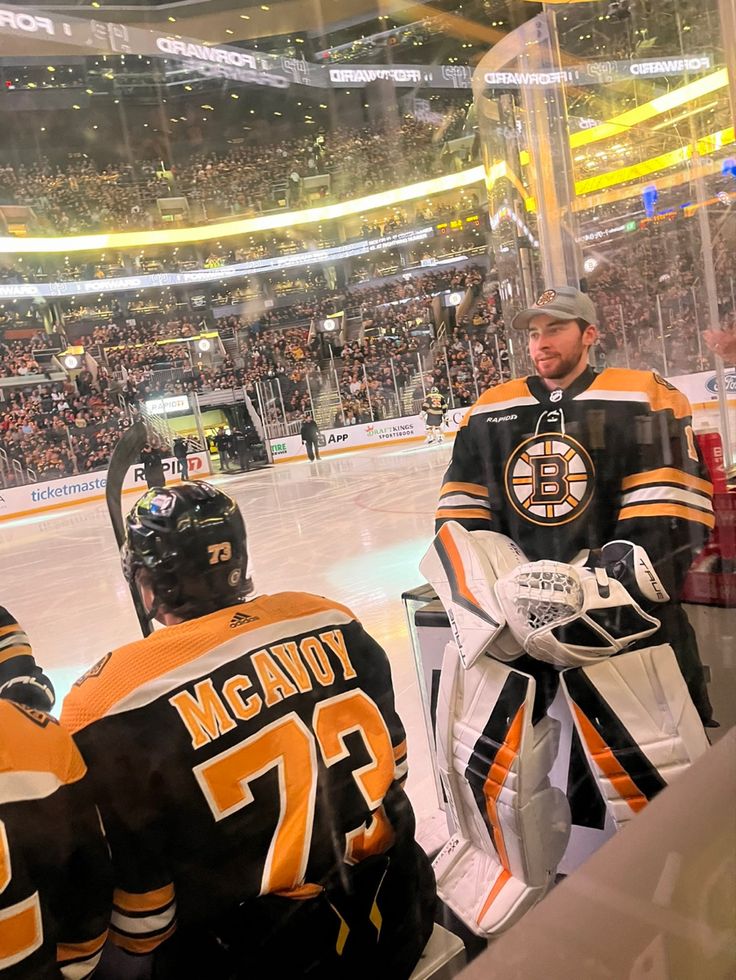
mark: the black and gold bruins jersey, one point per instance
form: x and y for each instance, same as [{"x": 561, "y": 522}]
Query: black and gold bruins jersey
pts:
[
  {"x": 613, "y": 456},
  {"x": 435, "y": 407},
  {"x": 253, "y": 751},
  {"x": 55, "y": 876}
]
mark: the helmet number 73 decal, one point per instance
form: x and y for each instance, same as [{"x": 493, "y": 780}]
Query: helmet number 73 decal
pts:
[
  {"x": 221, "y": 552},
  {"x": 549, "y": 479}
]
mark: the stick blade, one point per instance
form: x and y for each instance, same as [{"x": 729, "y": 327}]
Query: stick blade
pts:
[{"x": 125, "y": 455}]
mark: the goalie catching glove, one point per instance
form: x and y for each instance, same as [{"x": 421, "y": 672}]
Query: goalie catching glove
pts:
[{"x": 570, "y": 616}]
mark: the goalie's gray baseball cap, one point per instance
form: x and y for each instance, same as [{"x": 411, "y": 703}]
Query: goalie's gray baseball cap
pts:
[{"x": 561, "y": 302}]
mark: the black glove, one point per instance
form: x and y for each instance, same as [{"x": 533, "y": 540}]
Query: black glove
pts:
[{"x": 35, "y": 691}]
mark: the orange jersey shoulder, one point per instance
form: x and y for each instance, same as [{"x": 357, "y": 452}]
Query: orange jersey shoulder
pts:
[
  {"x": 660, "y": 394},
  {"x": 140, "y": 664},
  {"x": 33, "y": 743}
]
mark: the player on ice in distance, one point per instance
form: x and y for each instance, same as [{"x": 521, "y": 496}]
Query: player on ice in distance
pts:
[
  {"x": 434, "y": 411},
  {"x": 55, "y": 877},
  {"x": 572, "y": 507},
  {"x": 249, "y": 765}
]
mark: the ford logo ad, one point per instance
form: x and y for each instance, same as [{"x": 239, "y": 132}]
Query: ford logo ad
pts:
[{"x": 712, "y": 383}]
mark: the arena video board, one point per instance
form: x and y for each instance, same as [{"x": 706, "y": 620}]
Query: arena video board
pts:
[
  {"x": 124, "y": 284},
  {"x": 275, "y": 71}
]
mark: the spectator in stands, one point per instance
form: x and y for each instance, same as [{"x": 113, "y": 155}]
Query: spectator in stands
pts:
[{"x": 81, "y": 196}]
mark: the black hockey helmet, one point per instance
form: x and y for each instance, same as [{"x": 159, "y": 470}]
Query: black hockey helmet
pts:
[{"x": 190, "y": 543}]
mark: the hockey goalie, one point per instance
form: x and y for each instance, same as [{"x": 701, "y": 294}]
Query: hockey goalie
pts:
[{"x": 571, "y": 509}]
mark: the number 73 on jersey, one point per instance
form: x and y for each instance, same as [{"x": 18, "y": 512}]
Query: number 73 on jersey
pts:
[{"x": 289, "y": 746}]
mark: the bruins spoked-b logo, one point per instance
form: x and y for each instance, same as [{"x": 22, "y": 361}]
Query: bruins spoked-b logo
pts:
[{"x": 549, "y": 479}]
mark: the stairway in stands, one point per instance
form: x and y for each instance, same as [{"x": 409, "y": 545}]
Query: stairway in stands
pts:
[
  {"x": 407, "y": 394},
  {"x": 326, "y": 407},
  {"x": 230, "y": 345}
]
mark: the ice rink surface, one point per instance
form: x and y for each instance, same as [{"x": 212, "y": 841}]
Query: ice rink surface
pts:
[{"x": 352, "y": 527}]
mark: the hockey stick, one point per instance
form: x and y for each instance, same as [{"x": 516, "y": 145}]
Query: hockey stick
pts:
[{"x": 124, "y": 456}]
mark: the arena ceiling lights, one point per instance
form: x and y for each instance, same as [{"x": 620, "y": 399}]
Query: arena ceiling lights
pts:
[
  {"x": 706, "y": 145},
  {"x": 643, "y": 113}
]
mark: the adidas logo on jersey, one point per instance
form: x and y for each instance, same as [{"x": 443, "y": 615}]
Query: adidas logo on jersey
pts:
[{"x": 240, "y": 619}]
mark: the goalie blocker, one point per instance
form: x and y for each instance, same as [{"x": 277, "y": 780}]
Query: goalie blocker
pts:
[{"x": 636, "y": 721}]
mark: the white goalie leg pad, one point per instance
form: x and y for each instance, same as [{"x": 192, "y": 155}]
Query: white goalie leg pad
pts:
[
  {"x": 511, "y": 827},
  {"x": 463, "y": 568},
  {"x": 637, "y": 723}
]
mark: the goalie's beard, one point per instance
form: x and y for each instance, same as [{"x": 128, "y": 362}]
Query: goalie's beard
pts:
[
  {"x": 556, "y": 365},
  {"x": 552, "y": 365}
]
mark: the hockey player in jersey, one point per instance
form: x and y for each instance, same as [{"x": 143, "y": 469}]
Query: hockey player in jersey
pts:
[
  {"x": 249, "y": 766},
  {"x": 572, "y": 507},
  {"x": 434, "y": 410},
  {"x": 55, "y": 880}
]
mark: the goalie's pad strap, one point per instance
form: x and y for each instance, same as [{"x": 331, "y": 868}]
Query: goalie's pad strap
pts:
[{"x": 637, "y": 723}]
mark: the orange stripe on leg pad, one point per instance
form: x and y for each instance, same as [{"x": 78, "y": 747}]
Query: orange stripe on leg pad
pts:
[
  {"x": 609, "y": 765},
  {"x": 497, "y": 775},
  {"x": 497, "y": 886}
]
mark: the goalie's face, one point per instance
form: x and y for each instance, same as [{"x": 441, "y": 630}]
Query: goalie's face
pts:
[{"x": 559, "y": 348}]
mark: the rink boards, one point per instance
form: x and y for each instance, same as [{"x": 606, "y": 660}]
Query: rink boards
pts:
[
  {"x": 38, "y": 498},
  {"x": 370, "y": 435}
]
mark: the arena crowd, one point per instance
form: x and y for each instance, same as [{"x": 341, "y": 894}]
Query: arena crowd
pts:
[{"x": 80, "y": 196}]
